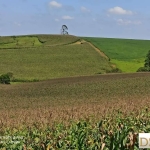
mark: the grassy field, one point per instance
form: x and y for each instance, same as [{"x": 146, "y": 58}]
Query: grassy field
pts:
[
  {"x": 51, "y": 61},
  {"x": 127, "y": 54},
  {"x": 76, "y": 112},
  {"x": 73, "y": 108}
]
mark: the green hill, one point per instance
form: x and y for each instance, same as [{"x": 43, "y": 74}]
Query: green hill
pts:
[
  {"x": 51, "y": 56},
  {"x": 127, "y": 54}
]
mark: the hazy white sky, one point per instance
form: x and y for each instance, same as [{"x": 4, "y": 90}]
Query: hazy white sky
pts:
[{"x": 97, "y": 18}]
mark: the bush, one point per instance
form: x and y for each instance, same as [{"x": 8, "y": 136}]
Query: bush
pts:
[
  {"x": 143, "y": 69},
  {"x": 146, "y": 67},
  {"x": 147, "y": 60},
  {"x": 114, "y": 70},
  {"x": 6, "y": 78}
]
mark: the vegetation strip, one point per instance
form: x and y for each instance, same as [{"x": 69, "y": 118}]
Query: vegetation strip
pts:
[{"x": 127, "y": 54}]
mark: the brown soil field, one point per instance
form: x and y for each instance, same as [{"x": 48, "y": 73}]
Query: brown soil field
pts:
[{"x": 74, "y": 98}]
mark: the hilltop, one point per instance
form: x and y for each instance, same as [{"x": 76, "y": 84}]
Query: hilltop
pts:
[
  {"x": 36, "y": 40},
  {"x": 42, "y": 57}
]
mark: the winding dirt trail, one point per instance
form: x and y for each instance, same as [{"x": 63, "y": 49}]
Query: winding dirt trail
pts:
[{"x": 97, "y": 50}]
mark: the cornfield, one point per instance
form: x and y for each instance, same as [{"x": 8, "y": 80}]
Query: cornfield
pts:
[
  {"x": 103, "y": 112},
  {"x": 115, "y": 131}
]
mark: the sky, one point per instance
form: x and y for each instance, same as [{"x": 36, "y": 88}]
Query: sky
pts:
[{"x": 89, "y": 18}]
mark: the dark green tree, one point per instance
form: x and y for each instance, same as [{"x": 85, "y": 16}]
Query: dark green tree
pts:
[
  {"x": 147, "y": 60},
  {"x": 146, "y": 67}
]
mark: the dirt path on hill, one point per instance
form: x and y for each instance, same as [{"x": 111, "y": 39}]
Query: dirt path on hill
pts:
[
  {"x": 97, "y": 50},
  {"x": 76, "y": 43}
]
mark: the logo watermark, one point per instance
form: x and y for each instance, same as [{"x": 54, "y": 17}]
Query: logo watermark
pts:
[{"x": 144, "y": 140}]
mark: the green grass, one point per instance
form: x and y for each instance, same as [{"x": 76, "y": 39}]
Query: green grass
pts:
[
  {"x": 20, "y": 41},
  {"x": 127, "y": 54},
  {"x": 28, "y": 41},
  {"x": 128, "y": 66},
  {"x": 36, "y": 40},
  {"x": 46, "y": 62}
]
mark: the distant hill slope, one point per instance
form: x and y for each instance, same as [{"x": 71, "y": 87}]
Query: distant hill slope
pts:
[
  {"x": 53, "y": 40},
  {"x": 127, "y": 54},
  {"x": 76, "y": 90},
  {"x": 51, "y": 56},
  {"x": 36, "y": 40}
]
